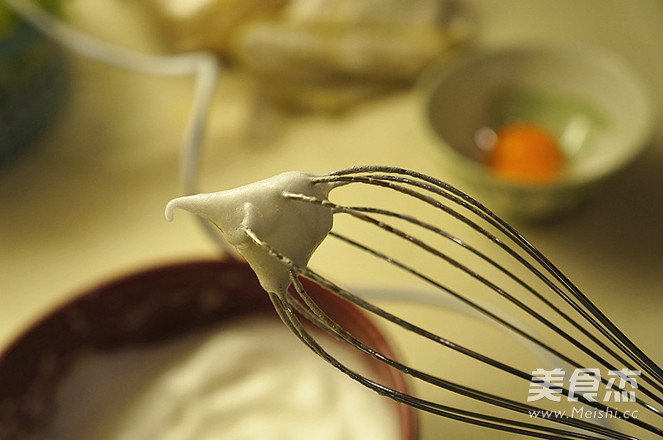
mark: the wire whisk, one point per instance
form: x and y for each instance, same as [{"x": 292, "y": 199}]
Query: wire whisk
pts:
[{"x": 494, "y": 268}]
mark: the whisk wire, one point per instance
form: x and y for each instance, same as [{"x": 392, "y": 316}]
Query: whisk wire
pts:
[
  {"x": 432, "y": 407},
  {"x": 512, "y": 276},
  {"x": 426, "y": 189},
  {"x": 460, "y": 198},
  {"x": 323, "y": 321},
  {"x": 485, "y": 312},
  {"x": 456, "y": 196},
  {"x": 284, "y": 309},
  {"x": 361, "y": 214}
]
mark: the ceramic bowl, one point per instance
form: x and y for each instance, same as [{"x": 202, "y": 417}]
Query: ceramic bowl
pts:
[
  {"x": 146, "y": 308},
  {"x": 592, "y": 101}
]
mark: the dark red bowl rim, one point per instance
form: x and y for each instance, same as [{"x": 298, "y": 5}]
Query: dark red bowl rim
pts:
[{"x": 150, "y": 306}]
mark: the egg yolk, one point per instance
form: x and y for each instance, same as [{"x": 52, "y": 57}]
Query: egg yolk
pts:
[{"x": 527, "y": 153}]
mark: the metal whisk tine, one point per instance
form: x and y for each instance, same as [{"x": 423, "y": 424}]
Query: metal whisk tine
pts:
[
  {"x": 366, "y": 175},
  {"x": 284, "y": 306},
  {"x": 543, "y": 282},
  {"x": 497, "y": 319},
  {"x": 538, "y": 316},
  {"x": 316, "y": 315},
  {"x": 492, "y": 262},
  {"x": 461, "y": 199},
  {"x": 319, "y": 317},
  {"x": 358, "y": 212}
]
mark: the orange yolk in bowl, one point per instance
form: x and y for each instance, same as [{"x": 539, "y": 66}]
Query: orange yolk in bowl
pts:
[{"x": 527, "y": 153}]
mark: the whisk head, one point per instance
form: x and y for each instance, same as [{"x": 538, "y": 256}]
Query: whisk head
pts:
[{"x": 577, "y": 357}]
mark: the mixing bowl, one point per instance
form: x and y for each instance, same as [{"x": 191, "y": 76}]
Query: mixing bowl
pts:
[{"x": 145, "y": 309}]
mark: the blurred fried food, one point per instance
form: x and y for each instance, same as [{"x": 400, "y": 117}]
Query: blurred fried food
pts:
[
  {"x": 188, "y": 25},
  {"x": 322, "y": 54}
]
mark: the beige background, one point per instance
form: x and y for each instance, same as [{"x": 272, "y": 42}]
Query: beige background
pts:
[{"x": 87, "y": 204}]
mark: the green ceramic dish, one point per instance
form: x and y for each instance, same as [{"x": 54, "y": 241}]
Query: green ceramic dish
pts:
[{"x": 33, "y": 78}]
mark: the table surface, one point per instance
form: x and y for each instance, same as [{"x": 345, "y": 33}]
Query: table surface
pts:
[{"x": 86, "y": 204}]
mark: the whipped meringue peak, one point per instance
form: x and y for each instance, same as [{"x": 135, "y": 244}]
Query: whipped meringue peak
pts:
[{"x": 293, "y": 228}]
